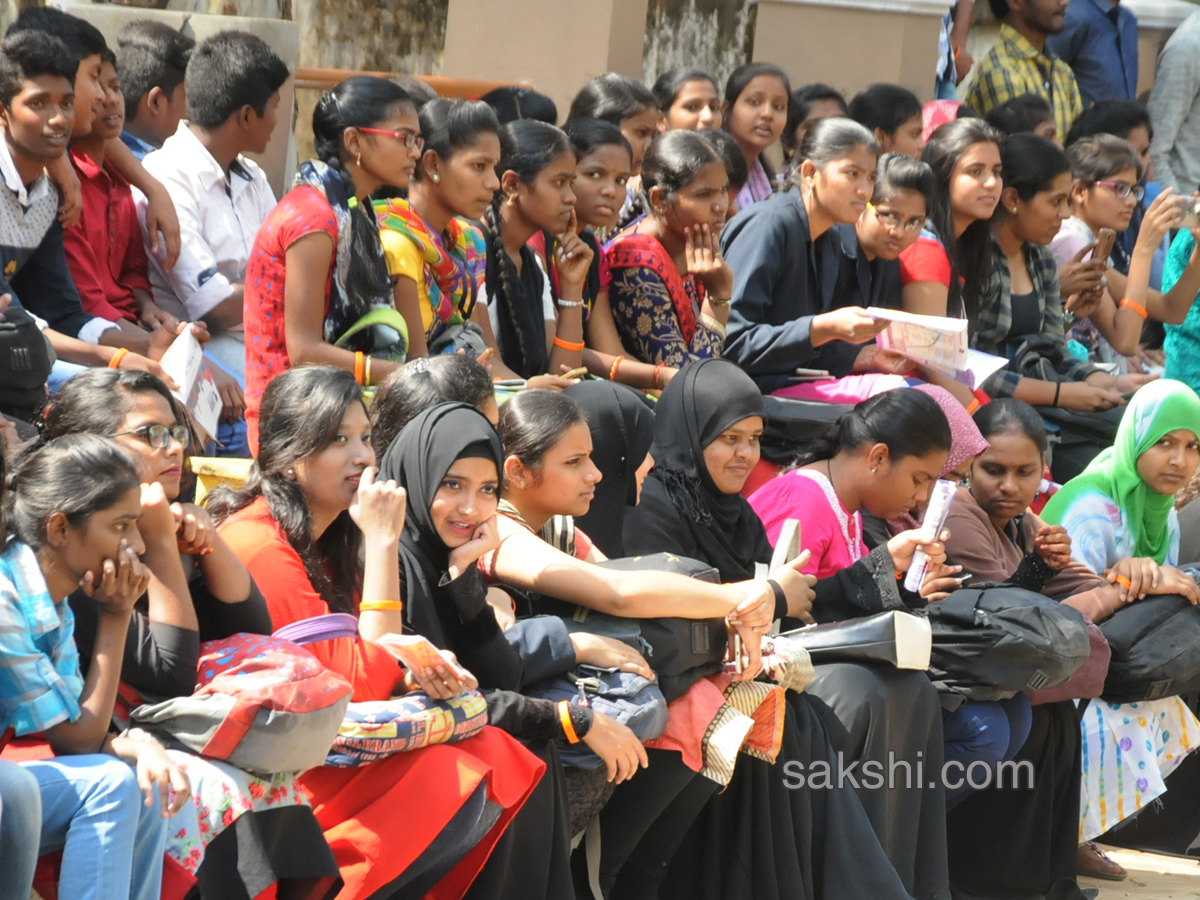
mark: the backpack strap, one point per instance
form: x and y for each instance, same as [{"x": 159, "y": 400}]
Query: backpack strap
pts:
[
  {"x": 319, "y": 628},
  {"x": 380, "y": 315}
]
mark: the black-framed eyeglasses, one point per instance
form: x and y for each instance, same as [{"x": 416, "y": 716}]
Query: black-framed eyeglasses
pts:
[
  {"x": 160, "y": 436},
  {"x": 1123, "y": 190},
  {"x": 891, "y": 221}
]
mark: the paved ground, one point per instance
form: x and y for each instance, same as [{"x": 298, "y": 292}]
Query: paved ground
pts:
[{"x": 1151, "y": 877}]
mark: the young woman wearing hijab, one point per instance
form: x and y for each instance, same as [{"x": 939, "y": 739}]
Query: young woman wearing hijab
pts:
[
  {"x": 731, "y": 852},
  {"x": 706, "y": 443},
  {"x": 448, "y": 459},
  {"x": 622, "y": 427},
  {"x": 319, "y": 535},
  {"x": 1122, "y": 523},
  {"x": 1022, "y": 840}
]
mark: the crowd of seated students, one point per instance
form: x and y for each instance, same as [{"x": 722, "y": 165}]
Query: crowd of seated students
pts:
[{"x": 423, "y": 325}]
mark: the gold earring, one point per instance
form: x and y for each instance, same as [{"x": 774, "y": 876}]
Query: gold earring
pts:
[{"x": 358, "y": 160}]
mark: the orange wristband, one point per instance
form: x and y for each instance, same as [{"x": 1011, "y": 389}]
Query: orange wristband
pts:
[
  {"x": 115, "y": 362},
  {"x": 657, "y": 369},
  {"x": 612, "y": 373},
  {"x": 359, "y": 363},
  {"x": 567, "y": 345},
  {"x": 973, "y": 406},
  {"x": 564, "y": 713},
  {"x": 381, "y": 606},
  {"x": 1136, "y": 307}
]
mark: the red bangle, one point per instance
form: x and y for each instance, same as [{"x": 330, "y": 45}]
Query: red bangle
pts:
[
  {"x": 564, "y": 713},
  {"x": 1136, "y": 307},
  {"x": 115, "y": 362},
  {"x": 983, "y": 398},
  {"x": 657, "y": 369},
  {"x": 612, "y": 373}
]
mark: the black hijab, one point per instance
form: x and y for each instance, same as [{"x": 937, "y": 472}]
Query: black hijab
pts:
[
  {"x": 418, "y": 459},
  {"x": 622, "y": 426},
  {"x": 698, "y": 404}
]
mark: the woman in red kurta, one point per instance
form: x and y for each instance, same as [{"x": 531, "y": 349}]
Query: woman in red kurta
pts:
[{"x": 298, "y": 525}]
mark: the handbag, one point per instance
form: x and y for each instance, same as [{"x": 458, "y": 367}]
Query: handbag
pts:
[
  {"x": 1155, "y": 649},
  {"x": 389, "y": 333},
  {"x": 993, "y": 640},
  {"x": 898, "y": 637},
  {"x": 261, "y": 704},
  {"x": 632, "y": 700}
]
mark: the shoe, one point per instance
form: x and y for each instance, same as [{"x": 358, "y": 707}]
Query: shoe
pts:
[{"x": 1092, "y": 863}]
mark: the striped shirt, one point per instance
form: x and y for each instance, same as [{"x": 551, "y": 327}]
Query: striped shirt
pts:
[
  {"x": 40, "y": 681},
  {"x": 1014, "y": 67}
]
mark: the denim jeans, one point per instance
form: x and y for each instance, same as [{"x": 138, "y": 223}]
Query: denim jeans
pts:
[
  {"x": 93, "y": 810},
  {"x": 983, "y": 731},
  {"x": 20, "y": 822}
]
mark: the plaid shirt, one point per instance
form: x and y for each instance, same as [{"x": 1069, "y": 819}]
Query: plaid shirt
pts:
[
  {"x": 995, "y": 316},
  {"x": 40, "y": 682},
  {"x": 1014, "y": 67}
]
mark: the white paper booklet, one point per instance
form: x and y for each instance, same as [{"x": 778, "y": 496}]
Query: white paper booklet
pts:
[
  {"x": 184, "y": 362},
  {"x": 938, "y": 342}
]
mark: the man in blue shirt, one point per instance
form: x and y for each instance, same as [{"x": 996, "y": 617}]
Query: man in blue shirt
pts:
[
  {"x": 152, "y": 58},
  {"x": 1099, "y": 43}
]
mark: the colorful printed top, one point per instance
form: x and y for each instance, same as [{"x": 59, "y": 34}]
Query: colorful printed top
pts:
[
  {"x": 448, "y": 276},
  {"x": 657, "y": 310}
]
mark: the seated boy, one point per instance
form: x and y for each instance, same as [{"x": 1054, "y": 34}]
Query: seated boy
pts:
[
  {"x": 37, "y": 114},
  {"x": 85, "y": 43},
  {"x": 152, "y": 58},
  {"x": 232, "y": 84}
]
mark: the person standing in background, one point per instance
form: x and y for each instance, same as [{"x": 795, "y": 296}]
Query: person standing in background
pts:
[
  {"x": 1099, "y": 43},
  {"x": 1174, "y": 107}
]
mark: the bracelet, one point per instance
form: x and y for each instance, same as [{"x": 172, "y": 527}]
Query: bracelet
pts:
[
  {"x": 381, "y": 606},
  {"x": 1057, "y": 390},
  {"x": 781, "y": 606},
  {"x": 367, "y": 373},
  {"x": 612, "y": 373},
  {"x": 564, "y": 713},
  {"x": 115, "y": 362},
  {"x": 957, "y": 51},
  {"x": 570, "y": 304},
  {"x": 657, "y": 369},
  {"x": 1136, "y": 307},
  {"x": 359, "y": 358},
  {"x": 713, "y": 301},
  {"x": 973, "y": 406},
  {"x": 567, "y": 345}
]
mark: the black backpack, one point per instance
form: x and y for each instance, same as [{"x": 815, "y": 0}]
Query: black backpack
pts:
[
  {"x": 25, "y": 363},
  {"x": 992, "y": 641},
  {"x": 680, "y": 651},
  {"x": 1155, "y": 649}
]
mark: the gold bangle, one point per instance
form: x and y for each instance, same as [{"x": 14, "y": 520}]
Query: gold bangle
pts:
[
  {"x": 367, "y": 371},
  {"x": 381, "y": 606}
]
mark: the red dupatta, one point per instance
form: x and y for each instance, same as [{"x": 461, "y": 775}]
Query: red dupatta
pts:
[{"x": 642, "y": 250}]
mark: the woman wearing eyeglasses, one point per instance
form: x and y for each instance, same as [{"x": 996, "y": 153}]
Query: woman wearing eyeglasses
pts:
[
  {"x": 317, "y": 265},
  {"x": 199, "y": 591},
  {"x": 1105, "y": 193}
]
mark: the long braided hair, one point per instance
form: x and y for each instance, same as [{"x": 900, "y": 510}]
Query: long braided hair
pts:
[{"x": 526, "y": 148}]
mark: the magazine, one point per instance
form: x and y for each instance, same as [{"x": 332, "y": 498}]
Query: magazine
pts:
[
  {"x": 938, "y": 342},
  {"x": 184, "y": 362}
]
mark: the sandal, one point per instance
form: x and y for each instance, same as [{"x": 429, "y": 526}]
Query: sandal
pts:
[{"x": 1092, "y": 863}]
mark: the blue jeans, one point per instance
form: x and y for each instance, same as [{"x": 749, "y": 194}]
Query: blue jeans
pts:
[
  {"x": 983, "y": 731},
  {"x": 93, "y": 810},
  {"x": 20, "y": 822}
]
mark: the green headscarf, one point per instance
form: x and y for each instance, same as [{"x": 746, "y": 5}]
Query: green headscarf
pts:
[{"x": 1157, "y": 409}]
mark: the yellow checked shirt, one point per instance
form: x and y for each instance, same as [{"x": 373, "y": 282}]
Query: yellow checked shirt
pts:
[{"x": 1014, "y": 67}]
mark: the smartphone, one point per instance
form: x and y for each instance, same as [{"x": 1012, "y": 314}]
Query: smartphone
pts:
[
  {"x": 1105, "y": 239},
  {"x": 1190, "y": 207}
]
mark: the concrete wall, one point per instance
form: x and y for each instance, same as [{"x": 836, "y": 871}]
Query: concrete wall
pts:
[
  {"x": 556, "y": 45},
  {"x": 852, "y": 43}
]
